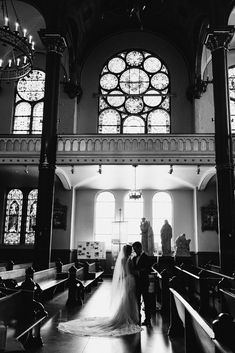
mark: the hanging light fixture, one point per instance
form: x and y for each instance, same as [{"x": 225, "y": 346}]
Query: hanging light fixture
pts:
[
  {"x": 16, "y": 45},
  {"x": 135, "y": 193}
]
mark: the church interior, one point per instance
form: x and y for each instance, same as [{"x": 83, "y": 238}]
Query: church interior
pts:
[{"x": 113, "y": 111}]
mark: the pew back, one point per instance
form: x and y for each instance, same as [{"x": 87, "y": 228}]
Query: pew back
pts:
[
  {"x": 199, "y": 336},
  {"x": 18, "y": 274}
]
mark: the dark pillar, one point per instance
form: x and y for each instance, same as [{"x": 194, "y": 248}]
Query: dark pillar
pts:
[
  {"x": 217, "y": 41},
  {"x": 55, "y": 45}
]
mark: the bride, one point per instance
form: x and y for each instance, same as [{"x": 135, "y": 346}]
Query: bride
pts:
[{"x": 124, "y": 316}]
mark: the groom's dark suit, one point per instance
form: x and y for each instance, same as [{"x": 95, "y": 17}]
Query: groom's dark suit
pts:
[{"x": 142, "y": 268}]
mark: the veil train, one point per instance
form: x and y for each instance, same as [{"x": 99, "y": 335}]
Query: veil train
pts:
[{"x": 123, "y": 319}]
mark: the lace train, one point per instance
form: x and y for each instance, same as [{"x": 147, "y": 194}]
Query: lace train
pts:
[{"x": 98, "y": 326}]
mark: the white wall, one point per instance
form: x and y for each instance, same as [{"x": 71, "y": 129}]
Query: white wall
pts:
[
  {"x": 61, "y": 237},
  {"x": 183, "y": 216},
  {"x": 207, "y": 240}
]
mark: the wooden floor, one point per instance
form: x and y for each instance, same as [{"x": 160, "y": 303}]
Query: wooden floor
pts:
[{"x": 154, "y": 340}]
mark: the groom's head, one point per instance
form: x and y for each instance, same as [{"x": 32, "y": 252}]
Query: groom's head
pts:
[{"x": 137, "y": 246}]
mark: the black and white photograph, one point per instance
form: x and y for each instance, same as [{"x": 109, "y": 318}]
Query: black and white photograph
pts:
[{"x": 117, "y": 153}]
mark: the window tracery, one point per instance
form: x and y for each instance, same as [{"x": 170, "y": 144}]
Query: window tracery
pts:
[
  {"x": 134, "y": 94},
  {"x": 29, "y": 103},
  {"x": 20, "y": 217}
]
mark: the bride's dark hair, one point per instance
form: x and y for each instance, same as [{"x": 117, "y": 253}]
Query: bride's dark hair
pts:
[{"x": 127, "y": 249}]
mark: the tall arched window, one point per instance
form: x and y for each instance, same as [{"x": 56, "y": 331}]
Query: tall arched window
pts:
[
  {"x": 31, "y": 217},
  {"x": 133, "y": 212},
  {"x": 13, "y": 217},
  {"x": 231, "y": 75},
  {"x": 20, "y": 217},
  {"x": 134, "y": 94},
  {"x": 28, "y": 112},
  {"x": 162, "y": 209},
  {"x": 104, "y": 217}
]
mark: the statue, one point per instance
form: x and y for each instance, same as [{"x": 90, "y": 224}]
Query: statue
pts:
[
  {"x": 182, "y": 246},
  {"x": 166, "y": 235},
  {"x": 147, "y": 240}
]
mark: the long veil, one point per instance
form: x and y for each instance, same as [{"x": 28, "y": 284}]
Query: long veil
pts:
[
  {"x": 123, "y": 314},
  {"x": 118, "y": 287}
]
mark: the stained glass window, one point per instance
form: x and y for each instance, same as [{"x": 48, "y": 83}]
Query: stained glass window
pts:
[
  {"x": 20, "y": 217},
  {"x": 13, "y": 217},
  {"x": 31, "y": 217},
  {"x": 231, "y": 74},
  {"x": 134, "y": 95},
  {"x": 28, "y": 113}
]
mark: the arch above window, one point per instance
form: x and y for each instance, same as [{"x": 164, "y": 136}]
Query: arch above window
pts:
[{"x": 134, "y": 94}]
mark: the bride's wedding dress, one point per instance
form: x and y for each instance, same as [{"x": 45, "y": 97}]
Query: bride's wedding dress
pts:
[{"x": 124, "y": 316}]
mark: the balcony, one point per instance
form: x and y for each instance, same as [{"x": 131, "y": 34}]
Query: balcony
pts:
[{"x": 113, "y": 149}]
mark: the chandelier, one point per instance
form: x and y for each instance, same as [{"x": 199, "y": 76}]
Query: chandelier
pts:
[
  {"x": 135, "y": 193},
  {"x": 16, "y": 46}
]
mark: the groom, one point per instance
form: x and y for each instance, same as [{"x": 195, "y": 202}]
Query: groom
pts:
[{"x": 141, "y": 271}]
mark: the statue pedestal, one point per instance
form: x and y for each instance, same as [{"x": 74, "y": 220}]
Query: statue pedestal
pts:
[
  {"x": 165, "y": 262},
  {"x": 186, "y": 260}
]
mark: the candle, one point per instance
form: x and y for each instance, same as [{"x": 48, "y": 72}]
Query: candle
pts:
[
  {"x": 18, "y": 61},
  {"x": 25, "y": 59},
  {"x": 16, "y": 26},
  {"x": 1, "y": 61},
  {"x": 33, "y": 44},
  {"x": 9, "y": 62},
  {"x": 30, "y": 39},
  {"x": 6, "y": 21},
  {"x": 24, "y": 32}
]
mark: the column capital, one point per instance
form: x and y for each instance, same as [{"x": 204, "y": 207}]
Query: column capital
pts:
[
  {"x": 53, "y": 42},
  {"x": 219, "y": 37}
]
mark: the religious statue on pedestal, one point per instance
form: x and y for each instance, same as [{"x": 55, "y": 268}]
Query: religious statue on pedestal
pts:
[
  {"x": 147, "y": 240},
  {"x": 182, "y": 246},
  {"x": 166, "y": 235}
]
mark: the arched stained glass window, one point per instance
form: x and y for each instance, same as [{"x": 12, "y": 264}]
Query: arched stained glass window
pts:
[
  {"x": 13, "y": 217},
  {"x": 29, "y": 103},
  {"x": 162, "y": 209},
  {"x": 31, "y": 217},
  {"x": 133, "y": 212},
  {"x": 134, "y": 94},
  {"x": 231, "y": 79},
  {"x": 104, "y": 217}
]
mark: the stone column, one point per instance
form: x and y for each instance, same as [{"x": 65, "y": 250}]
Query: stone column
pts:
[
  {"x": 55, "y": 45},
  {"x": 217, "y": 41}
]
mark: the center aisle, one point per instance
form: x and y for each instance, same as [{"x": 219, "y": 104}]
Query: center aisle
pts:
[{"x": 149, "y": 340}]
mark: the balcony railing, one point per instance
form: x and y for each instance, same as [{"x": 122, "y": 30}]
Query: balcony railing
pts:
[{"x": 114, "y": 149}]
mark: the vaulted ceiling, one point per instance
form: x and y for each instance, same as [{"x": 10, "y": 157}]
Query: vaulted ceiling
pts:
[{"x": 86, "y": 22}]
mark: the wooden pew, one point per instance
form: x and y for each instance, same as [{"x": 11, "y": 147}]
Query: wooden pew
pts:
[
  {"x": 200, "y": 288},
  {"x": 49, "y": 280},
  {"x": 11, "y": 266},
  {"x": 199, "y": 336},
  {"x": 23, "y": 316},
  {"x": 227, "y": 296},
  {"x": 80, "y": 281},
  {"x": 12, "y": 279},
  {"x": 162, "y": 289}
]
